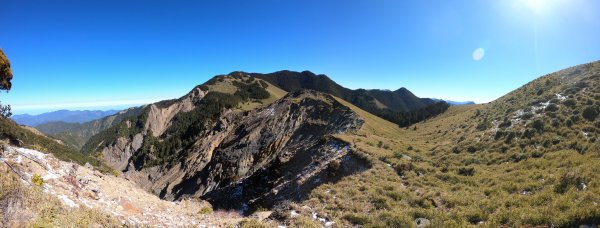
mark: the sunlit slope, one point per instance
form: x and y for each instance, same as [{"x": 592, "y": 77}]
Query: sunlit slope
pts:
[{"x": 528, "y": 158}]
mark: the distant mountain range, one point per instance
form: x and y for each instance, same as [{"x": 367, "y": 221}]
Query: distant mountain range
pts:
[
  {"x": 453, "y": 103},
  {"x": 67, "y": 116}
]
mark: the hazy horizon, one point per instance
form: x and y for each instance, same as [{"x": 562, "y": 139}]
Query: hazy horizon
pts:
[{"x": 108, "y": 54}]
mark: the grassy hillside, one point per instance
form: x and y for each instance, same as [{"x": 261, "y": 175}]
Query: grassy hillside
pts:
[
  {"x": 456, "y": 170},
  {"x": 76, "y": 134},
  {"x": 12, "y": 133}
]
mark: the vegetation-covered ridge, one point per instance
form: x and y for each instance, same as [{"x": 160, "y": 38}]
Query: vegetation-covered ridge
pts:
[
  {"x": 400, "y": 106},
  {"x": 454, "y": 171},
  {"x": 13, "y": 134},
  {"x": 555, "y": 112},
  {"x": 76, "y": 135}
]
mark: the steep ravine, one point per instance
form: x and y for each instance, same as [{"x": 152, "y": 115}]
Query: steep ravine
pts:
[{"x": 256, "y": 158}]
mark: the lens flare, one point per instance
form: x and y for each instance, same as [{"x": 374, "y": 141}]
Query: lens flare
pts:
[{"x": 478, "y": 54}]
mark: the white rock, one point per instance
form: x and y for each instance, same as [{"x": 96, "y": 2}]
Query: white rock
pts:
[
  {"x": 294, "y": 214},
  {"x": 68, "y": 201}
]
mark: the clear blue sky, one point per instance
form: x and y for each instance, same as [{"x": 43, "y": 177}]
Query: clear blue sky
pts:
[{"x": 96, "y": 54}]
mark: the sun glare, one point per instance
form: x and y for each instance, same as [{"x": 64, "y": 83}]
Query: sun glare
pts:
[
  {"x": 537, "y": 6},
  {"x": 535, "y": 3}
]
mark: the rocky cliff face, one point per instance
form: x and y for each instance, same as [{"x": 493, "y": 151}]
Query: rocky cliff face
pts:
[
  {"x": 276, "y": 152},
  {"x": 157, "y": 119}
]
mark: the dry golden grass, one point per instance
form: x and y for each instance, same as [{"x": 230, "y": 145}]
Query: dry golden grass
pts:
[{"x": 430, "y": 171}]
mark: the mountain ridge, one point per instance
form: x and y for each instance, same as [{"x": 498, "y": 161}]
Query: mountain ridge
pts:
[
  {"x": 68, "y": 116},
  {"x": 291, "y": 81},
  {"x": 451, "y": 102}
]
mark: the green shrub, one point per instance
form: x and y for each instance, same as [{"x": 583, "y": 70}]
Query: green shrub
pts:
[
  {"x": 506, "y": 123},
  {"x": 570, "y": 102},
  {"x": 304, "y": 222},
  {"x": 551, "y": 108},
  {"x": 380, "y": 203},
  {"x": 251, "y": 91},
  {"x": 387, "y": 219},
  {"x": 590, "y": 113},
  {"x": 466, "y": 171},
  {"x": 206, "y": 210},
  {"x": 252, "y": 223},
  {"x": 398, "y": 155},
  {"x": 37, "y": 180},
  {"x": 538, "y": 125},
  {"x": 471, "y": 149},
  {"x": 357, "y": 219},
  {"x": 403, "y": 167},
  {"x": 519, "y": 157},
  {"x": 264, "y": 84},
  {"x": 567, "y": 181}
]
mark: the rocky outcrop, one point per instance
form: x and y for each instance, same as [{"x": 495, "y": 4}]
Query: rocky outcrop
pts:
[
  {"x": 82, "y": 186},
  {"x": 286, "y": 146},
  {"x": 159, "y": 118},
  {"x": 118, "y": 154}
]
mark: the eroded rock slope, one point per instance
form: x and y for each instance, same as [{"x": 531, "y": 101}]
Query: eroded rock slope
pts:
[{"x": 209, "y": 149}]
